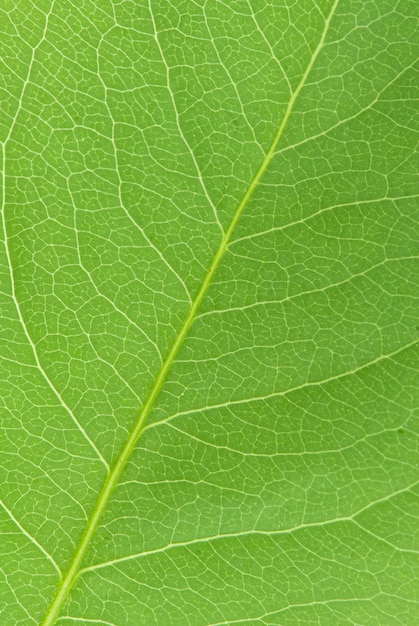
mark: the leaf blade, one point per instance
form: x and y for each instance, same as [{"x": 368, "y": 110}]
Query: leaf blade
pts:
[{"x": 310, "y": 346}]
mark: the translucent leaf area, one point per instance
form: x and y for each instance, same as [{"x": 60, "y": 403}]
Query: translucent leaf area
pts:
[{"x": 208, "y": 313}]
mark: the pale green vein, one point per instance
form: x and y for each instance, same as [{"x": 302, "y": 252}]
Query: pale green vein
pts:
[
  {"x": 30, "y": 537},
  {"x": 329, "y": 452},
  {"x": 66, "y": 583},
  {"x": 85, "y": 620},
  {"x": 121, "y": 200},
  {"x": 7, "y": 251},
  {"x": 312, "y": 216},
  {"x": 181, "y": 133},
  {"x": 29, "y": 72},
  {"x": 324, "y": 290},
  {"x": 286, "y": 392},
  {"x": 321, "y": 523},
  {"x": 268, "y": 45},
  {"x": 355, "y": 116}
]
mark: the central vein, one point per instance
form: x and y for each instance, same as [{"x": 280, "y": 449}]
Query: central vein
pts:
[{"x": 67, "y": 582}]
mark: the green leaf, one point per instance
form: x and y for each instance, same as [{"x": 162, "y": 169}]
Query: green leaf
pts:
[{"x": 208, "y": 312}]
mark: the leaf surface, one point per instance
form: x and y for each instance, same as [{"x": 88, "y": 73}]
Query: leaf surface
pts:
[{"x": 209, "y": 313}]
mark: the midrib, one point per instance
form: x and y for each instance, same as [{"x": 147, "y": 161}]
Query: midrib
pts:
[{"x": 66, "y": 583}]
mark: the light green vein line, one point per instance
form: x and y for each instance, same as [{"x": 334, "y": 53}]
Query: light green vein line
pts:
[
  {"x": 274, "y": 532},
  {"x": 6, "y": 239},
  {"x": 18, "y": 309},
  {"x": 30, "y": 537},
  {"x": 290, "y": 390},
  {"x": 66, "y": 583}
]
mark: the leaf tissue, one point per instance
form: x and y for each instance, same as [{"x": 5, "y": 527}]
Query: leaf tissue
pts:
[{"x": 208, "y": 301}]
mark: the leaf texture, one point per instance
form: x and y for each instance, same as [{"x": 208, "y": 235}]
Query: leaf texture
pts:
[{"x": 208, "y": 342}]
